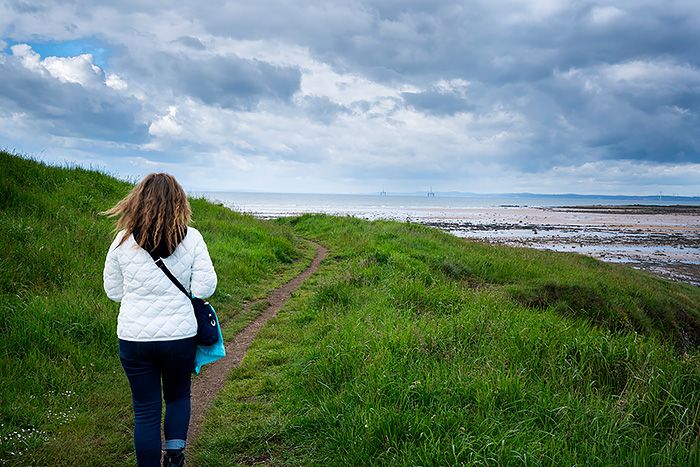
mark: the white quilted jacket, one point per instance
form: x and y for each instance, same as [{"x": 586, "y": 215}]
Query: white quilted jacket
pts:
[{"x": 152, "y": 307}]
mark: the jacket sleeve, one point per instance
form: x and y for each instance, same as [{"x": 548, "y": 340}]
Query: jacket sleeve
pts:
[
  {"x": 112, "y": 274},
  {"x": 203, "y": 279}
]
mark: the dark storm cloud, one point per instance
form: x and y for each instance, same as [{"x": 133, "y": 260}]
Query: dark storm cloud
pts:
[
  {"x": 490, "y": 42},
  {"x": 25, "y": 7},
  {"x": 226, "y": 81},
  {"x": 191, "y": 42},
  {"x": 633, "y": 110},
  {"x": 322, "y": 109},
  {"x": 437, "y": 103}
]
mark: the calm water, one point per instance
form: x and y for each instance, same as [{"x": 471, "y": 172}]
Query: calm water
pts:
[{"x": 269, "y": 205}]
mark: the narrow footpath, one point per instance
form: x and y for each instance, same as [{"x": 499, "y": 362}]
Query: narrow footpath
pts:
[{"x": 213, "y": 376}]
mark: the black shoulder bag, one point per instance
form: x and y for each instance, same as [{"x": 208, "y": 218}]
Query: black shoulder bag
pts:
[{"x": 207, "y": 324}]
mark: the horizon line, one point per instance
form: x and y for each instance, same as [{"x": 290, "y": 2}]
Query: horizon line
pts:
[{"x": 454, "y": 194}]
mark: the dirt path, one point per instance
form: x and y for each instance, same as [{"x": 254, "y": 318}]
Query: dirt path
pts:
[{"x": 213, "y": 376}]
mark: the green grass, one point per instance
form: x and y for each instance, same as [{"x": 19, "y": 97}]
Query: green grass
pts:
[
  {"x": 415, "y": 348},
  {"x": 409, "y": 347},
  {"x": 62, "y": 388}
]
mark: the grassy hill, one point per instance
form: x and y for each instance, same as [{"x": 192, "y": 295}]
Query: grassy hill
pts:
[
  {"x": 409, "y": 347},
  {"x": 62, "y": 388}
]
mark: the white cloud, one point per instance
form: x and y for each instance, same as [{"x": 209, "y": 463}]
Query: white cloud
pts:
[
  {"x": 321, "y": 80},
  {"x": 654, "y": 75},
  {"x": 606, "y": 14},
  {"x": 114, "y": 81},
  {"x": 79, "y": 69},
  {"x": 30, "y": 59},
  {"x": 515, "y": 11},
  {"x": 167, "y": 125}
]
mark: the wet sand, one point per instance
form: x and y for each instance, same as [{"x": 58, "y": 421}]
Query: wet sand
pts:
[{"x": 663, "y": 240}]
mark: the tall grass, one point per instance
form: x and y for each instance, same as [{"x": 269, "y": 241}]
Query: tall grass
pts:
[
  {"x": 616, "y": 297},
  {"x": 415, "y": 348},
  {"x": 63, "y": 397},
  {"x": 409, "y": 347}
]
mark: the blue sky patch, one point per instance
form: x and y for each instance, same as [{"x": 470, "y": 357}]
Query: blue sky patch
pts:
[{"x": 99, "y": 53}]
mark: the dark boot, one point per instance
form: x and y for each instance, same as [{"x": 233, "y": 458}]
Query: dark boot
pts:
[{"x": 174, "y": 458}]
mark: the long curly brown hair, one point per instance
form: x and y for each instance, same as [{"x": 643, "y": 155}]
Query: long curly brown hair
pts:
[{"x": 156, "y": 212}]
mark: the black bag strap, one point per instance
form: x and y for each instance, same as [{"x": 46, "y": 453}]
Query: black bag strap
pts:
[{"x": 159, "y": 262}]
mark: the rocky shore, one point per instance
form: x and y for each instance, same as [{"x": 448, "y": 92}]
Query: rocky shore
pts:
[{"x": 663, "y": 240}]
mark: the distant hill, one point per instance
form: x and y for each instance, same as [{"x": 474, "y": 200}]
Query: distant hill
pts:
[{"x": 633, "y": 199}]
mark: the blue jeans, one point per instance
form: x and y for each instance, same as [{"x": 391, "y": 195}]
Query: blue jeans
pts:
[{"x": 147, "y": 364}]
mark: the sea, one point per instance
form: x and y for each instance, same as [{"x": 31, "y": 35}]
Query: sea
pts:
[{"x": 405, "y": 207}]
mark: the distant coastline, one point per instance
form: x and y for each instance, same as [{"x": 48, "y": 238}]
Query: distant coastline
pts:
[
  {"x": 635, "y": 198},
  {"x": 658, "y": 199}
]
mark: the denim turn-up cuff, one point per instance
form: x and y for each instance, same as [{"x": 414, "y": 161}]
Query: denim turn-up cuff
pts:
[{"x": 174, "y": 444}]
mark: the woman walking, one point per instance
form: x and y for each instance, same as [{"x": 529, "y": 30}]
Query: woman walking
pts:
[{"x": 156, "y": 326}]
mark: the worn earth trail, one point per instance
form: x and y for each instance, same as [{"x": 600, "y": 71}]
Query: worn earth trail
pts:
[{"x": 213, "y": 376}]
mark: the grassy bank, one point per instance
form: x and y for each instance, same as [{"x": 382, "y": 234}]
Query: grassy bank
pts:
[
  {"x": 409, "y": 347},
  {"x": 63, "y": 397},
  {"x": 415, "y": 348}
]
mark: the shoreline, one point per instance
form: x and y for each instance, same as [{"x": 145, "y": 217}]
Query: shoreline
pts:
[
  {"x": 632, "y": 209},
  {"x": 662, "y": 240}
]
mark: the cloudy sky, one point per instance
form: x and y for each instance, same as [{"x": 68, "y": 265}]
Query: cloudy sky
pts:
[{"x": 356, "y": 96}]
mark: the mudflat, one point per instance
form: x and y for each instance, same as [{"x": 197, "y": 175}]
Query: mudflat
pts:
[{"x": 663, "y": 240}]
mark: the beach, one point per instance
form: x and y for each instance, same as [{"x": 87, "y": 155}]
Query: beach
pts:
[{"x": 662, "y": 240}]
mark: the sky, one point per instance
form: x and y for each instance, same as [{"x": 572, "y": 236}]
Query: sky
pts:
[{"x": 304, "y": 96}]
